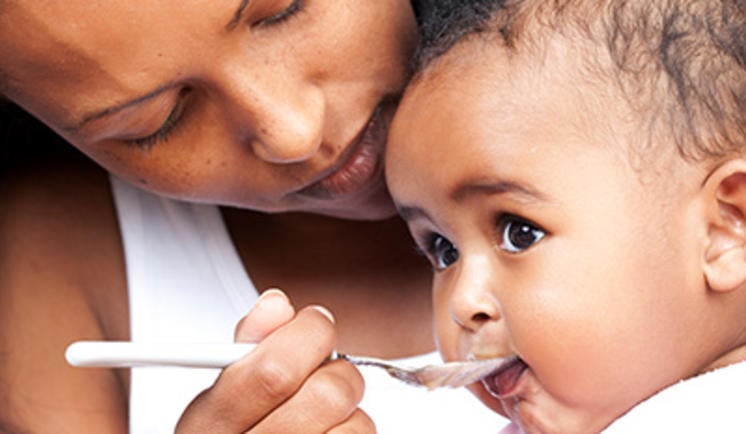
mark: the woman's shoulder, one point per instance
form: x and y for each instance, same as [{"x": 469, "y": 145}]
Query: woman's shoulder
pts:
[
  {"x": 60, "y": 206},
  {"x": 58, "y": 225},
  {"x": 61, "y": 279}
]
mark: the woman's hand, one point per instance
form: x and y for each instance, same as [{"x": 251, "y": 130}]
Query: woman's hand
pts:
[{"x": 284, "y": 384}]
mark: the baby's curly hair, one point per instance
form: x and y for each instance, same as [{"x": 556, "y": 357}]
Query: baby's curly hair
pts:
[{"x": 681, "y": 63}]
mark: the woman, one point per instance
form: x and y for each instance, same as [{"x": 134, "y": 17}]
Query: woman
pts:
[{"x": 265, "y": 105}]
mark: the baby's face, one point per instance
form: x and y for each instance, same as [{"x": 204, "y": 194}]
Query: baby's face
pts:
[{"x": 548, "y": 247}]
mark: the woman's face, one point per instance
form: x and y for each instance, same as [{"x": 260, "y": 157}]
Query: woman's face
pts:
[{"x": 275, "y": 105}]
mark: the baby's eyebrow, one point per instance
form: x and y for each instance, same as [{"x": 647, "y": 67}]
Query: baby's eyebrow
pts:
[
  {"x": 497, "y": 187},
  {"x": 483, "y": 187},
  {"x": 409, "y": 213}
]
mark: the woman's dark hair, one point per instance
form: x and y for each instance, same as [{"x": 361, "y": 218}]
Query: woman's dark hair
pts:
[
  {"x": 680, "y": 63},
  {"x": 421, "y": 8},
  {"x": 445, "y": 22}
]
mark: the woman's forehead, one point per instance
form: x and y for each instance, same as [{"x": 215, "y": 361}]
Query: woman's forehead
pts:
[
  {"x": 59, "y": 48},
  {"x": 34, "y": 25}
]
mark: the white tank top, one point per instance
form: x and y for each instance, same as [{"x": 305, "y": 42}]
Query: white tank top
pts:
[{"x": 187, "y": 284}]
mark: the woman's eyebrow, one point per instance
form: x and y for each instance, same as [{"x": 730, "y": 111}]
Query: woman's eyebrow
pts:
[
  {"x": 237, "y": 15},
  {"x": 108, "y": 111}
]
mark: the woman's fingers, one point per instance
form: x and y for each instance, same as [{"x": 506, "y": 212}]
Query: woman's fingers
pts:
[
  {"x": 328, "y": 399},
  {"x": 271, "y": 311},
  {"x": 260, "y": 383},
  {"x": 358, "y": 423}
]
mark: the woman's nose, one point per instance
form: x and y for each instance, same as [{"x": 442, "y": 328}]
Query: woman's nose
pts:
[
  {"x": 287, "y": 129},
  {"x": 473, "y": 302},
  {"x": 280, "y": 118}
]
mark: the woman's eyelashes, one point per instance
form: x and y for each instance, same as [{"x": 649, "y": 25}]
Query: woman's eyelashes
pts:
[
  {"x": 173, "y": 120},
  {"x": 286, "y": 13},
  {"x": 516, "y": 234},
  {"x": 162, "y": 134}
]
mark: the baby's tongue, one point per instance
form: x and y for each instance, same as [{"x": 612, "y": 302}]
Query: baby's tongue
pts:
[{"x": 502, "y": 382}]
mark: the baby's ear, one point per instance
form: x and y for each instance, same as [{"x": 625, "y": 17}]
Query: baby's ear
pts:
[{"x": 725, "y": 255}]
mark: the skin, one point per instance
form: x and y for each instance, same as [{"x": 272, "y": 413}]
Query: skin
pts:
[
  {"x": 273, "y": 112},
  {"x": 240, "y": 135},
  {"x": 608, "y": 280}
]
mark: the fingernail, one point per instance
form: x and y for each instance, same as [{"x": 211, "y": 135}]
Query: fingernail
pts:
[
  {"x": 324, "y": 311},
  {"x": 271, "y": 297}
]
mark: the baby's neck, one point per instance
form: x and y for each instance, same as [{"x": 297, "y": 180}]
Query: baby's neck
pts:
[{"x": 735, "y": 355}]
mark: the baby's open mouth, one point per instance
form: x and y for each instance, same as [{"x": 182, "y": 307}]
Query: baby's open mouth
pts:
[{"x": 502, "y": 382}]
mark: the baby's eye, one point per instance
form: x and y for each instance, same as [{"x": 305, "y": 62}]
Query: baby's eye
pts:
[
  {"x": 518, "y": 234},
  {"x": 442, "y": 252}
]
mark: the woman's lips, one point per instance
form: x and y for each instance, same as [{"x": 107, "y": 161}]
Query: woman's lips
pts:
[
  {"x": 358, "y": 166},
  {"x": 503, "y": 382}
]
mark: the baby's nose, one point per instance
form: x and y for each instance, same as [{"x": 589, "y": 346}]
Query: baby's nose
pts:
[{"x": 473, "y": 303}]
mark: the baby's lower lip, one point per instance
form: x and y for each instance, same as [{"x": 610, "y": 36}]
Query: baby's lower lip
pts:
[{"x": 503, "y": 382}]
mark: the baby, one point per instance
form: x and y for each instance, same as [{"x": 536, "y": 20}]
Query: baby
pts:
[{"x": 575, "y": 171}]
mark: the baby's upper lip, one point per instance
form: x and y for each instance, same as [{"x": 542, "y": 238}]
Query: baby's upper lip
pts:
[{"x": 502, "y": 383}]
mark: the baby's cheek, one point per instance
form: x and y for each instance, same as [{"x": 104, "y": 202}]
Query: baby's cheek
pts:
[
  {"x": 448, "y": 344},
  {"x": 446, "y": 330}
]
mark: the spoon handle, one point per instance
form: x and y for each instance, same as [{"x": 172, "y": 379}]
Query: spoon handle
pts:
[{"x": 119, "y": 354}]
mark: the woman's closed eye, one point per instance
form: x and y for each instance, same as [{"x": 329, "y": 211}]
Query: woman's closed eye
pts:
[
  {"x": 169, "y": 125},
  {"x": 517, "y": 234},
  {"x": 174, "y": 118},
  {"x": 286, "y": 13}
]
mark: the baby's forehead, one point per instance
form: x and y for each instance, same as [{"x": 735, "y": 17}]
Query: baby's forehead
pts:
[
  {"x": 490, "y": 93},
  {"x": 482, "y": 79},
  {"x": 558, "y": 69}
]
